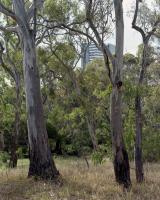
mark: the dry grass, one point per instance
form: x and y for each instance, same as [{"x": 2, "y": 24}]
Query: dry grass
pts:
[{"x": 79, "y": 183}]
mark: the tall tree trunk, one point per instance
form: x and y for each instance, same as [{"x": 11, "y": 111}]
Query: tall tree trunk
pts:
[
  {"x": 41, "y": 163},
  {"x": 138, "y": 140},
  {"x": 15, "y": 134},
  {"x": 121, "y": 161},
  {"x": 138, "y": 114}
]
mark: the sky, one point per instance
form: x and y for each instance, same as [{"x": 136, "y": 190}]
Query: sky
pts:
[{"x": 132, "y": 37}]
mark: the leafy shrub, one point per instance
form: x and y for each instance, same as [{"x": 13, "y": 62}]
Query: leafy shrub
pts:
[{"x": 97, "y": 157}]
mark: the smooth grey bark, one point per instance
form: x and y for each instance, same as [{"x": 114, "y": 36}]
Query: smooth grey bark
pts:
[
  {"x": 41, "y": 163},
  {"x": 121, "y": 161}
]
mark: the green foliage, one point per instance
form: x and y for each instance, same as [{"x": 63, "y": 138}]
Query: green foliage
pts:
[
  {"x": 22, "y": 152},
  {"x": 64, "y": 10},
  {"x": 97, "y": 157},
  {"x": 4, "y": 157}
]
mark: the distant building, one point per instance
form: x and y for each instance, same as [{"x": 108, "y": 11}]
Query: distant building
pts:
[{"x": 91, "y": 52}]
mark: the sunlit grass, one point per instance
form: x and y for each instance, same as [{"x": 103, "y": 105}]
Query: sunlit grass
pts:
[{"x": 77, "y": 183}]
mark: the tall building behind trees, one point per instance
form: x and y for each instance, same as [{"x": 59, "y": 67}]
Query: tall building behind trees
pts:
[{"x": 91, "y": 52}]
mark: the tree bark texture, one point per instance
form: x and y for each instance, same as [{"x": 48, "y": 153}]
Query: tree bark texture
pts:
[
  {"x": 41, "y": 162},
  {"x": 138, "y": 116},
  {"x": 121, "y": 161}
]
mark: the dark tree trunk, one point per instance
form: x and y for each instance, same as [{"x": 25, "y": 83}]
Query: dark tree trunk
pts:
[
  {"x": 121, "y": 161},
  {"x": 1, "y": 141},
  {"x": 58, "y": 148},
  {"x": 138, "y": 115},
  {"x": 13, "y": 155},
  {"x": 138, "y": 141},
  {"x": 15, "y": 134}
]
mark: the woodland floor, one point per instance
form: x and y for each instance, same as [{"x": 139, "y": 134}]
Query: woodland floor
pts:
[{"x": 77, "y": 183}]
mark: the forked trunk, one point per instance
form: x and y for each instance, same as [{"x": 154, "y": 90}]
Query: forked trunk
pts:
[
  {"x": 121, "y": 161},
  {"x": 138, "y": 141},
  {"x": 41, "y": 163}
]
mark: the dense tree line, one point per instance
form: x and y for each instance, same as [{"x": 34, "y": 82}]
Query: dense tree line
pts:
[{"x": 98, "y": 110}]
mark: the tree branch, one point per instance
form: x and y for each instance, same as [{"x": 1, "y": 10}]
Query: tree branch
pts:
[
  {"x": 134, "y": 26},
  {"x": 7, "y": 11},
  {"x": 9, "y": 29},
  {"x": 106, "y": 52},
  {"x": 4, "y": 66}
]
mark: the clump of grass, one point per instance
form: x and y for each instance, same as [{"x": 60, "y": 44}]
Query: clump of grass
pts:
[{"x": 79, "y": 183}]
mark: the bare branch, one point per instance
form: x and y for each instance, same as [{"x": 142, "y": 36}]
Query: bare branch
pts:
[
  {"x": 137, "y": 28},
  {"x": 4, "y": 66},
  {"x": 106, "y": 52},
  {"x": 7, "y": 11}
]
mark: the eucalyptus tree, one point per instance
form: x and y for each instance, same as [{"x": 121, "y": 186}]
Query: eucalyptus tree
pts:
[
  {"x": 146, "y": 21},
  {"x": 24, "y": 17},
  {"x": 94, "y": 20},
  {"x": 95, "y": 12}
]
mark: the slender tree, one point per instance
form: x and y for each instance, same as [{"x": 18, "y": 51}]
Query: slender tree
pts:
[
  {"x": 146, "y": 36},
  {"x": 96, "y": 27}
]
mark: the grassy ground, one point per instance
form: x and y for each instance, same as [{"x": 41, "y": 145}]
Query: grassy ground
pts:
[{"x": 79, "y": 183}]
